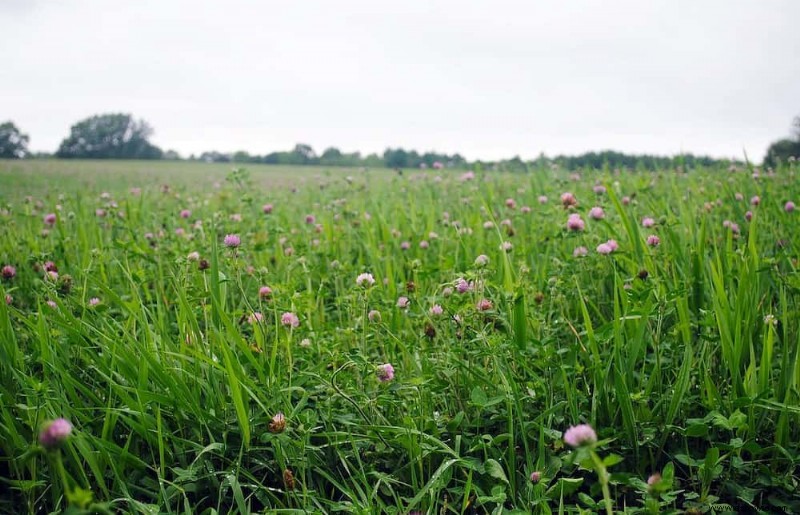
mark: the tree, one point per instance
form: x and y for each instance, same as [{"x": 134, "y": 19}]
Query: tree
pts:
[
  {"x": 109, "y": 136},
  {"x": 13, "y": 144},
  {"x": 780, "y": 151}
]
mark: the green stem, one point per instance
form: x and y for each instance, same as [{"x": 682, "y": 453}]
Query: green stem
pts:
[{"x": 602, "y": 474}]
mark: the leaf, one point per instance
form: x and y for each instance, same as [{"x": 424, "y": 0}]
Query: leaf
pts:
[
  {"x": 478, "y": 397},
  {"x": 495, "y": 470}
]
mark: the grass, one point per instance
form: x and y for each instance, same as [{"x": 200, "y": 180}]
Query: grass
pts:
[{"x": 682, "y": 356}]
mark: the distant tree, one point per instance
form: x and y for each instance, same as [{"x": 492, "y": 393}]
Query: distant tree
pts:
[
  {"x": 780, "y": 152},
  {"x": 13, "y": 144},
  {"x": 109, "y": 136},
  {"x": 395, "y": 158},
  {"x": 172, "y": 155},
  {"x": 303, "y": 154}
]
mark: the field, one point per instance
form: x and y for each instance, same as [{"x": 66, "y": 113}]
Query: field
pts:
[{"x": 361, "y": 341}]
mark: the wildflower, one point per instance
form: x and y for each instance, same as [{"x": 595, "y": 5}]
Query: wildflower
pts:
[
  {"x": 424, "y": 244},
  {"x": 385, "y": 372},
  {"x": 278, "y": 423},
  {"x": 365, "y": 279},
  {"x": 770, "y": 320},
  {"x": 488, "y": 224},
  {"x": 94, "y": 301},
  {"x": 266, "y": 208},
  {"x": 626, "y": 200},
  {"x": 402, "y": 302},
  {"x": 506, "y": 246},
  {"x": 55, "y": 433},
  {"x": 748, "y": 216},
  {"x": 288, "y": 251},
  {"x": 432, "y": 235},
  {"x": 232, "y": 240},
  {"x": 9, "y": 299},
  {"x": 511, "y": 203},
  {"x": 536, "y": 476},
  {"x": 447, "y": 291},
  {"x": 305, "y": 342},
  {"x": 738, "y": 196},
  {"x": 185, "y": 213},
  {"x": 203, "y": 264},
  {"x": 789, "y": 207},
  {"x": 52, "y": 275},
  {"x": 653, "y": 240},
  {"x": 374, "y": 316},
  {"x": 599, "y": 189},
  {"x": 568, "y": 199},
  {"x": 648, "y": 222},
  {"x": 653, "y": 481},
  {"x": 542, "y": 199},
  {"x": 484, "y": 305},
  {"x": 310, "y": 219},
  {"x": 100, "y": 213},
  {"x": 193, "y": 256},
  {"x": 255, "y": 317},
  {"x": 462, "y": 286},
  {"x": 405, "y": 245},
  {"x": 265, "y": 292},
  {"x": 50, "y": 218},
  {"x": 613, "y": 244},
  {"x": 467, "y": 176},
  {"x": 179, "y": 231},
  {"x": 604, "y": 248},
  {"x": 575, "y": 223},
  {"x": 52, "y": 304},
  {"x": 580, "y": 252},
  {"x": 436, "y": 310},
  {"x": 290, "y": 319},
  {"x": 9, "y": 272},
  {"x": 482, "y": 260},
  {"x": 755, "y": 200},
  {"x": 579, "y": 435},
  {"x": 597, "y": 213}
]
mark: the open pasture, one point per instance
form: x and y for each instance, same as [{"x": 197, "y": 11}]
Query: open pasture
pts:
[{"x": 344, "y": 341}]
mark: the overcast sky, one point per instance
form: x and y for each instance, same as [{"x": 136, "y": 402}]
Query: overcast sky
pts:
[{"x": 488, "y": 79}]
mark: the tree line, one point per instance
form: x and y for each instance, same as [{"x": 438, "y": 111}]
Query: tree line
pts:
[{"x": 121, "y": 136}]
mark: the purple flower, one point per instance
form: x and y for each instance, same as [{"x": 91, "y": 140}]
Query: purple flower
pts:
[
  {"x": 94, "y": 301},
  {"x": 436, "y": 310},
  {"x": 374, "y": 316},
  {"x": 54, "y": 433},
  {"x": 542, "y": 199},
  {"x": 648, "y": 222},
  {"x": 755, "y": 200},
  {"x": 402, "y": 302},
  {"x": 255, "y": 317},
  {"x": 265, "y": 292},
  {"x": 462, "y": 286},
  {"x": 579, "y": 435},
  {"x": 575, "y": 223},
  {"x": 267, "y": 208},
  {"x": 290, "y": 319},
  {"x": 653, "y": 240},
  {"x": 385, "y": 372},
  {"x": 789, "y": 207},
  {"x": 599, "y": 189},
  {"x": 536, "y": 476},
  {"x": 9, "y": 272},
  {"x": 185, "y": 213},
  {"x": 365, "y": 279},
  {"x": 310, "y": 219},
  {"x": 568, "y": 199},
  {"x": 484, "y": 305},
  {"x": 604, "y": 249},
  {"x": 597, "y": 213},
  {"x": 580, "y": 252},
  {"x": 232, "y": 240},
  {"x": 482, "y": 260},
  {"x": 50, "y": 218}
]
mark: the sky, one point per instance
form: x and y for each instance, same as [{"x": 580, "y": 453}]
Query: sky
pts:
[{"x": 488, "y": 80}]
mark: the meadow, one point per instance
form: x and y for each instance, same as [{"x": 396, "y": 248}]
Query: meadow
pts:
[{"x": 188, "y": 338}]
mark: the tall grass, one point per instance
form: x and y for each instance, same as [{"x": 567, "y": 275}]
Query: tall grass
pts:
[{"x": 683, "y": 356}]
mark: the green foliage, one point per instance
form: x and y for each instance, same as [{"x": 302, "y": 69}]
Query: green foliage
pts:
[
  {"x": 682, "y": 356},
  {"x": 13, "y": 143},
  {"x": 109, "y": 136}
]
